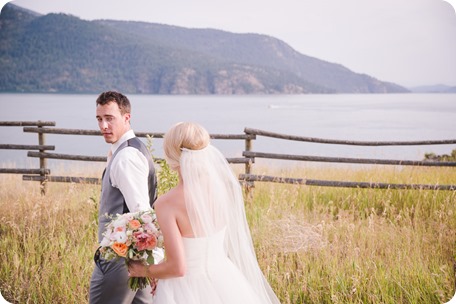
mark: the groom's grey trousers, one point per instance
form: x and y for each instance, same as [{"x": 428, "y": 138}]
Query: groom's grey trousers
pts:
[{"x": 109, "y": 285}]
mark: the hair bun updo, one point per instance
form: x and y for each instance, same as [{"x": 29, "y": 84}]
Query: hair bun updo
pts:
[{"x": 183, "y": 135}]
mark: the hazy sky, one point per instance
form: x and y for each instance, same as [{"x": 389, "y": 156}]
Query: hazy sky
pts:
[{"x": 410, "y": 42}]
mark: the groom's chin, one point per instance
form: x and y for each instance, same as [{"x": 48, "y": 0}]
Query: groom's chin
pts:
[{"x": 108, "y": 138}]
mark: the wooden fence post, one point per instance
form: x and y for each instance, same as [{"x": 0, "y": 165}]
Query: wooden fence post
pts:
[
  {"x": 43, "y": 160},
  {"x": 248, "y": 185},
  {"x": 248, "y": 147}
]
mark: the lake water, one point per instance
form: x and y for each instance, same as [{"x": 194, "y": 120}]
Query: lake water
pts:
[{"x": 379, "y": 117}]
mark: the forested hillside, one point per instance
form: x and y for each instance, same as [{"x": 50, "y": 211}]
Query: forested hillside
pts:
[{"x": 62, "y": 53}]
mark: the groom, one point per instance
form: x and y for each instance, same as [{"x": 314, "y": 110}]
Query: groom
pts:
[{"x": 128, "y": 185}]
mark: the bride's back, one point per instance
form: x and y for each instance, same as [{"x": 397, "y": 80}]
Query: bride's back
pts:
[{"x": 175, "y": 203}]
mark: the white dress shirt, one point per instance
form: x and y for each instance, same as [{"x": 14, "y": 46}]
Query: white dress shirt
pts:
[{"x": 129, "y": 173}]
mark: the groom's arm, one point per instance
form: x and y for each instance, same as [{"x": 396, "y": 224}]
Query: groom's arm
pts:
[{"x": 129, "y": 173}]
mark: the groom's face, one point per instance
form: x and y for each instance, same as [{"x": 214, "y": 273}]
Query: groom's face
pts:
[{"x": 112, "y": 123}]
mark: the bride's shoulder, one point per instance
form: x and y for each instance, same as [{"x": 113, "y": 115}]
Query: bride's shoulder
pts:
[{"x": 170, "y": 199}]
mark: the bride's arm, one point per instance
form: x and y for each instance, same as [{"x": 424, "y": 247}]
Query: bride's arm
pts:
[{"x": 174, "y": 263}]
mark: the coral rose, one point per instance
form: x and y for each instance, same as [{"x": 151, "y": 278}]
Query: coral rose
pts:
[
  {"x": 134, "y": 224},
  {"x": 120, "y": 249}
]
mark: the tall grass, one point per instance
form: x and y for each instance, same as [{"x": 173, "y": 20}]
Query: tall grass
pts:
[{"x": 314, "y": 244}]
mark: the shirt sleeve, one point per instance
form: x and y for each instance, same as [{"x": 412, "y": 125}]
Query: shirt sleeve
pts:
[{"x": 129, "y": 173}]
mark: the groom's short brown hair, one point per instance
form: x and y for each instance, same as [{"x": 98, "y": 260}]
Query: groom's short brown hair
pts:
[{"x": 113, "y": 96}]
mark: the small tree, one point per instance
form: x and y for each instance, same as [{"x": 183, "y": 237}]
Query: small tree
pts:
[
  {"x": 167, "y": 178},
  {"x": 444, "y": 157}
]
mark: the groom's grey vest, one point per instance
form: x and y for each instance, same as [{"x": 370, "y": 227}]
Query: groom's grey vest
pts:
[{"x": 112, "y": 201}]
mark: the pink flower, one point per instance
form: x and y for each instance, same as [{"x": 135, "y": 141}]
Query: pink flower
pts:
[
  {"x": 146, "y": 218},
  {"x": 151, "y": 227},
  {"x": 145, "y": 241}
]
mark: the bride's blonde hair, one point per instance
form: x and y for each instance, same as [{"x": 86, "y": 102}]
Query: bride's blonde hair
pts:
[{"x": 183, "y": 135}]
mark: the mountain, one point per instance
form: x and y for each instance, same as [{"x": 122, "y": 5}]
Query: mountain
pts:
[
  {"x": 438, "y": 88},
  {"x": 62, "y": 53}
]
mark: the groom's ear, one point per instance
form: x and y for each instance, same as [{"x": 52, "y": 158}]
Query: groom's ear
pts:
[{"x": 127, "y": 117}]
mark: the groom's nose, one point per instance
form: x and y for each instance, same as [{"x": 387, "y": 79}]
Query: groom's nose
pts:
[{"x": 103, "y": 124}]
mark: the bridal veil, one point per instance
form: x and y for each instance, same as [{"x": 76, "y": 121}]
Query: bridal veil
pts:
[{"x": 214, "y": 201}]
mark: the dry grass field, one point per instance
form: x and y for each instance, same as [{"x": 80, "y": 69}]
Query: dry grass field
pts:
[{"x": 314, "y": 244}]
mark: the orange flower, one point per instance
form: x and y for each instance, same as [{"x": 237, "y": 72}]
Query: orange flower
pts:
[
  {"x": 120, "y": 249},
  {"x": 134, "y": 224}
]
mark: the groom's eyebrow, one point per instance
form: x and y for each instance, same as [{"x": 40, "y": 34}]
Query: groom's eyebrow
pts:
[{"x": 105, "y": 115}]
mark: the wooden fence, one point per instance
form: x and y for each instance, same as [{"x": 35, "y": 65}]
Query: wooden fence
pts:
[
  {"x": 43, "y": 173},
  {"x": 326, "y": 183}
]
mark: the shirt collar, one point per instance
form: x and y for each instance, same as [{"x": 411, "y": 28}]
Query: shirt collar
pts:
[{"x": 127, "y": 135}]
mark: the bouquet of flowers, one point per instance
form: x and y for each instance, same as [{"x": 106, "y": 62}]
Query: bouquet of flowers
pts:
[{"x": 133, "y": 236}]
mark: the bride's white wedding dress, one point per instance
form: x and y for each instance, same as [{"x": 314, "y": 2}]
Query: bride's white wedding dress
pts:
[
  {"x": 210, "y": 278},
  {"x": 221, "y": 262}
]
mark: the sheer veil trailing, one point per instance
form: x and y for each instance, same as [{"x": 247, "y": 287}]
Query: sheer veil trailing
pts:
[{"x": 214, "y": 202}]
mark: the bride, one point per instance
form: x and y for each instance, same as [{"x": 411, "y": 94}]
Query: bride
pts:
[{"x": 209, "y": 252}]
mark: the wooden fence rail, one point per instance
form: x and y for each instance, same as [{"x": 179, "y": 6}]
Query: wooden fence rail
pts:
[
  {"x": 326, "y": 183},
  {"x": 25, "y": 171},
  {"x": 138, "y": 134},
  {"x": 43, "y": 174},
  {"x": 348, "y": 160},
  {"x": 25, "y": 147},
  {"x": 62, "y": 179},
  {"x": 27, "y": 123},
  {"x": 252, "y": 131},
  {"x": 235, "y": 160}
]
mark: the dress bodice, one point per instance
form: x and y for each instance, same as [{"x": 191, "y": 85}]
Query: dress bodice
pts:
[{"x": 205, "y": 253}]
